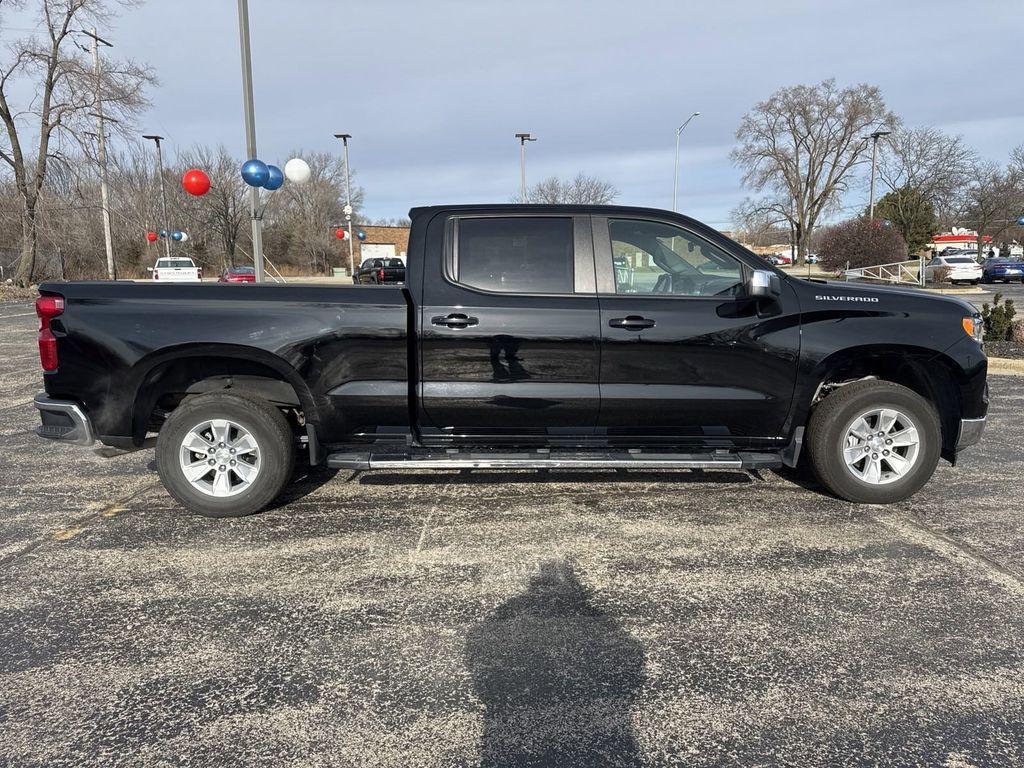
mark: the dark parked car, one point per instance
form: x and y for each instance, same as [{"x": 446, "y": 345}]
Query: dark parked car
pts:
[
  {"x": 520, "y": 342},
  {"x": 237, "y": 275},
  {"x": 1005, "y": 270},
  {"x": 380, "y": 272}
]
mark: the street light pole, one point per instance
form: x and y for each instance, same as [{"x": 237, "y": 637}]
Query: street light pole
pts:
[
  {"x": 874, "y": 151},
  {"x": 250, "y": 136},
  {"x": 523, "y": 138},
  {"x": 163, "y": 194},
  {"x": 675, "y": 173},
  {"x": 348, "y": 205},
  {"x": 101, "y": 151}
]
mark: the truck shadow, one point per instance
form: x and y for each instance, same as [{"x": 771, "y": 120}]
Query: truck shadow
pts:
[
  {"x": 804, "y": 477},
  {"x": 305, "y": 480},
  {"x": 523, "y": 477},
  {"x": 558, "y": 678}
]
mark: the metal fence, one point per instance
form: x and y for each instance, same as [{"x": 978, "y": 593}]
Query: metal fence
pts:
[{"x": 903, "y": 272}]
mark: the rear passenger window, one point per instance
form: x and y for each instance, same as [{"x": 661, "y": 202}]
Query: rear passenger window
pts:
[{"x": 516, "y": 254}]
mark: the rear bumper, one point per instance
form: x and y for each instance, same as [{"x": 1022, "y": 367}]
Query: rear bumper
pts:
[
  {"x": 970, "y": 432},
  {"x": 63, "y": 420}
]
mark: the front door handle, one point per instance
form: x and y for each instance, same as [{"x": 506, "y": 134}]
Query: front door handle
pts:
[
  {"x": 632, "y": 322},
  {"x": 455, "y": 320}
]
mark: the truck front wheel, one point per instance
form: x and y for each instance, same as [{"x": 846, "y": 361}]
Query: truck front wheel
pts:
[
  {"x": 874, "y": 442},
  {"x": 225, "y": 455}
]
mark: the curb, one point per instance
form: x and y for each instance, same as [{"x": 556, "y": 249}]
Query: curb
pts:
[
  {"x": 956, "y": 291},
  {"x": 1005, "y": 365}
]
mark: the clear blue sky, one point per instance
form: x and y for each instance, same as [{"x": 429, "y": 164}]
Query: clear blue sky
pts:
[{"x": 434, "y": 91}]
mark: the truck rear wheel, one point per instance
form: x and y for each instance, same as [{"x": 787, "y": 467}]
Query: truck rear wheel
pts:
[
  {"x": 225, "y": 455},
  {"x": 874, "y": 442}
]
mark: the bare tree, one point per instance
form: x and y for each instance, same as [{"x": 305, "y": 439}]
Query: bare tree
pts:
[
  {"x": 924, "y": 169},
  {"x": 579, "y": 190},
  {"x": 760, "y": 223},
  {"x": 220, "y": 214},
  {"x": 995, "y": 199},
  {"x": 803, "y": 143},
  {"x": 400, "y": 221},
  {"x": 302, "y": 215},
  {"x": 57, "y": 77}
]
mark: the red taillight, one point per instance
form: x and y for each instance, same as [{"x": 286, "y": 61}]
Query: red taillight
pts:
[
  {"x": 156, "y": 274},
  {"x": 47, "y": 308},
  {"x": 380, "y": 275},
  {"x": 199, "y": 272}
]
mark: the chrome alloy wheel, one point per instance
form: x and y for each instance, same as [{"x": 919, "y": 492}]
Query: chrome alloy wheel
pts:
[
  {"x": 219, "y": 458},
  {"x": 881, "y": 446}
]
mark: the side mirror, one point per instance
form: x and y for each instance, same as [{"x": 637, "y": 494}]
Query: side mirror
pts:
[{"x": 763, "y": 283}]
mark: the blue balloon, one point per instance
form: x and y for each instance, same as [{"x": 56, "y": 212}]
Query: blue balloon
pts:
[
  {"x": 163, "y": 233},
  {"x": 361, "y": 235},
  {"x": 255, "y": 172},
  {"x": 176, "y": 236},
  {"x": 1021, "y": 221},
  {"x": 276, "y": 178}
]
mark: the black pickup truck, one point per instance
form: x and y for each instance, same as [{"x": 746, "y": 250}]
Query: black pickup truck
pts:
[
  {"x": 526, "y": 336},
  {"x": 380, "y": 272}
]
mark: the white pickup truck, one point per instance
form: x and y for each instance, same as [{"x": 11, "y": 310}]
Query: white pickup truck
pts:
[{"x": 176, "y": 269}]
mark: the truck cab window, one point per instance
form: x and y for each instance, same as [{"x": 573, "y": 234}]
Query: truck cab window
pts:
[
  {"x": 516, "y": 254},
  {"x": 653, "y": 258}
]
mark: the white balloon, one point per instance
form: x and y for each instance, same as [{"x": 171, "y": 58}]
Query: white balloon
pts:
[
  {"x": 184, "y": 236},
  {"x": 297, "y": 170}
]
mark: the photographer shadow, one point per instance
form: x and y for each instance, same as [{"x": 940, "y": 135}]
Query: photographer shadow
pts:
[{"x": 558, "y": 678}]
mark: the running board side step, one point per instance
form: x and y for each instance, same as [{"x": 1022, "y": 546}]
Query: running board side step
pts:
[{"x": 553, "y": 460}]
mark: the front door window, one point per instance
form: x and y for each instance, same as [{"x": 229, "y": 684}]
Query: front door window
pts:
[{"x": 653, "y": 258}]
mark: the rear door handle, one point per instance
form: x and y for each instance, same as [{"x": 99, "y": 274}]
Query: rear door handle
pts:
[
  {"x": 454, "y": 320},
  {"x": 632, "y": 322}
]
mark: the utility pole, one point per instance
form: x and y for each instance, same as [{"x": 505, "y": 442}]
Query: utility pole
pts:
[
  {"x": 250, "y": 136},
  {"x": 874, "y": 151},
  {"x": 348, "y": 205},
  {"x": 101, "y": 150},
  {"x": 675, "y": 173},
  {"x": 163, "y": 195},
  {"x": 523, "y": 138}
]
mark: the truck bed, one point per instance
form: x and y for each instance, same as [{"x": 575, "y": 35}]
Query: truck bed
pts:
[{"x": 115, "y": 336}]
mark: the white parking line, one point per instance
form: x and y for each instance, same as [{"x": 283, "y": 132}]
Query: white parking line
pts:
[{"x": 952, "y": 549}]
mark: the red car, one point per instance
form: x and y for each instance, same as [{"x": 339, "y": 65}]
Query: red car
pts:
[{"x": 237, "y": 275}]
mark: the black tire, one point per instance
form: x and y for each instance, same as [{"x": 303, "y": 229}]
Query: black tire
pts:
[
  {"x": 263, "y": 421},
  {"x": 826, "y": 435}
]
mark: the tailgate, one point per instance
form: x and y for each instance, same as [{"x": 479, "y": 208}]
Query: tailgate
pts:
[{"x": 179, "y": 274}]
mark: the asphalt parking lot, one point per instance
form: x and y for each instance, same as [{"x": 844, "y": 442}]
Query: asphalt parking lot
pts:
[
  {"x": 1013, "y": 291},
  {"x": 580, "y": 619}
]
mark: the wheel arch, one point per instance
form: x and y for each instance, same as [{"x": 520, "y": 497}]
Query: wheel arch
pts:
[
  {"x": 199, "y": 368},
  {"x": 924, "y": 371}
]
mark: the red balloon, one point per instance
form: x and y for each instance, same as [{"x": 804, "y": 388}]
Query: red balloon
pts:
[
  {"x": 151, "y": 236},
  {"x": 196, "y": 182},
  {"x": 341, "y": 234}
]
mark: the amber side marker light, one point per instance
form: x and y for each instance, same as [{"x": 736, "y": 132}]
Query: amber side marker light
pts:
[{"x": 975, "y": 328}]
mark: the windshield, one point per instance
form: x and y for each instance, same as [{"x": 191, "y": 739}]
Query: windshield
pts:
[
  {"x": 175, "y": 263},
  {"x": 393, "y": 263},
  {"x": 242, "y": 271},
  {"x": 960, "y": 260}
]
